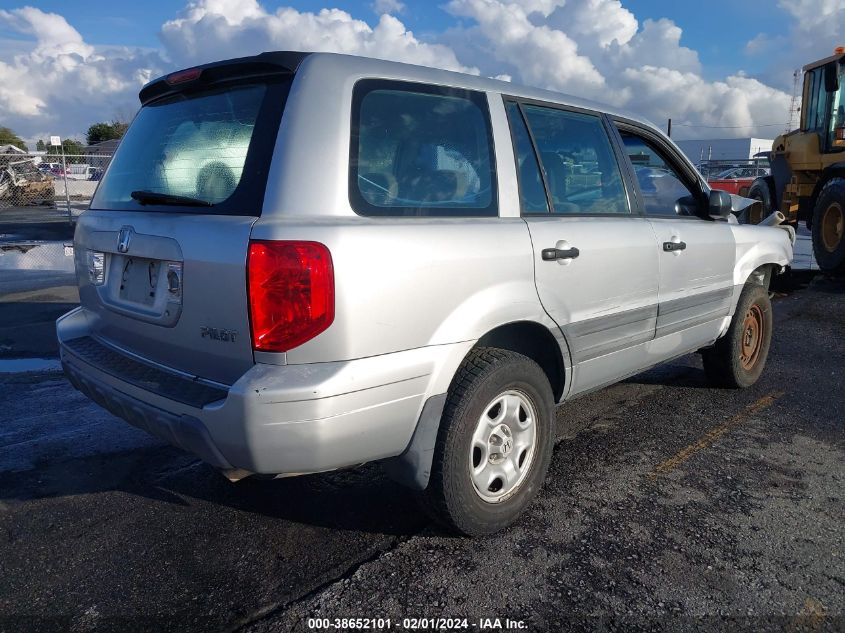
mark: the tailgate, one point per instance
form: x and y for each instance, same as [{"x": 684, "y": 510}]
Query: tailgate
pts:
[
  {"x": 173, "y": 290},
  {"x": 161, "y": 254}
]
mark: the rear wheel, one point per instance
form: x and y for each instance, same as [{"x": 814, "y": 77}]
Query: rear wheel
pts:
[
  {"x": 829, "y": 227},
  {"x": 738, "y": 358},
  {"x": 494, "y": 444}
]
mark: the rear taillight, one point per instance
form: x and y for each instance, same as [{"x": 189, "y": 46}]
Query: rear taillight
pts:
[
  {"x": 291, "y": 293},
  {"x": 95, "y": 262}
]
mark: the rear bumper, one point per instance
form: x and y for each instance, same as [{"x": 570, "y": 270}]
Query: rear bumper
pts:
[
  {"x": 184, "y": 431},
  {"x": 274, "y": 419}
]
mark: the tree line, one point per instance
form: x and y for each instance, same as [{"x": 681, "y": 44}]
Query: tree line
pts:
[{"x": 97, "y": 133}]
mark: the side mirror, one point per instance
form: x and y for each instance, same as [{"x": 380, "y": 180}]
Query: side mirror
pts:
[
  {"x": 719, "y": 206},
  {"x": 687, "y": 205}
]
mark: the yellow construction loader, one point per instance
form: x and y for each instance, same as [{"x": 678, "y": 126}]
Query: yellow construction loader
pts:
[{"x": 807, "y": 181}]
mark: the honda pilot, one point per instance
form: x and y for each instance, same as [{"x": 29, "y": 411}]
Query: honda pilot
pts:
[{"x": 299, "y": 262}]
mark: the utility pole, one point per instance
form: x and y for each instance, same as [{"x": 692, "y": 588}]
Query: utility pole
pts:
[
  {"x": 669, "y": 129},
  {"x": 56, "y": 141},
  {"x": 793, "y": 105}
]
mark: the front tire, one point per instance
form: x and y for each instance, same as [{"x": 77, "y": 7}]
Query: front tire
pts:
[
  {"x": 738, "y": 358},
  {"x": 828, "y": 227},
  {"x": 494, "y": 443}
]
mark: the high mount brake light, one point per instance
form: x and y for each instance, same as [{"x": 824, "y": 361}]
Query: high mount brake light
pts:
[
  {"x": 182, "y": 76},
  {"x": 291, "y": 293}
]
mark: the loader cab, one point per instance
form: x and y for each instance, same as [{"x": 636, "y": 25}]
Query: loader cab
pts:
[{"x": 824, "y": 106}]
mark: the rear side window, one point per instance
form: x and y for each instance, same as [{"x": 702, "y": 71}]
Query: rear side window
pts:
[
  {"x": 532, "y": 193},
  {"x": 420, "y": 150},
  {"x": 211, "y": 146},
  {"x": 581, "y": 171}
]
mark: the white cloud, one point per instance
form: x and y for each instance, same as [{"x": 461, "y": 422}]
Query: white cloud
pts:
[
  {"x": 598, "y": 49},
  {"x": 388, "y": 6},
  {"x": 536, "y": 54},
  {"x": 761, "y": 44},
  {"x": 215, "y": 29},
  {"x": 54, "y": 36},
  {"x": 600, "y": 21},
  {"x": 705, "y": 109},
  {"x": 816, "y": 27},
  {"x": 821, "y": 19},
  {"x": 592, "y": 48},
  {"x": 62, "y": 84}
]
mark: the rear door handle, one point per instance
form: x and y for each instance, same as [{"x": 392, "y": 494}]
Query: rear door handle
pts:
[
  {"x": 671, "y": 247},
  {"x": 551, "y": 254}
]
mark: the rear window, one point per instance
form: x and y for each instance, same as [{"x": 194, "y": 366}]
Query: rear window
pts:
[
  {"x": 213, "y": 147},
  {"x": 420, "y": 150}
]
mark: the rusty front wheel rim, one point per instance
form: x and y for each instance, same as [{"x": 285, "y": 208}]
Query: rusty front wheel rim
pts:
[
  {"x": 752, "y": 337},
  {"x": 833, "y": 224}
]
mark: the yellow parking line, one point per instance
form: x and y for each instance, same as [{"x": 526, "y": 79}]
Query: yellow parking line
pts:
[{"x": 714, "y": 434}]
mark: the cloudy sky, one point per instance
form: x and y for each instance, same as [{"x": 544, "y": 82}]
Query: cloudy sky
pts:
[{"x": 718, "y": 68}]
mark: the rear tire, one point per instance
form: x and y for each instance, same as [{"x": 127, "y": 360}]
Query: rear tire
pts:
[
  {"x": 494, "y": 443},
  {"x": 738, "y": 358},
  {"x": 828, "y": 227}
]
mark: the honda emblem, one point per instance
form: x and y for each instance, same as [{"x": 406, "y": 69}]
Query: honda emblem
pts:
[{"x": 123, "y": 239}]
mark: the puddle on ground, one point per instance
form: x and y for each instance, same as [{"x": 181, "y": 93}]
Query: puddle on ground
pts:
[
  {"x": 22, "y": 365},
  {"x": 803, "y": 251},
  {"x": 54, "y": 255}
]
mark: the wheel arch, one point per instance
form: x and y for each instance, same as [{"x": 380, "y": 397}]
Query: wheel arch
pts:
[
  {"x": 532, "y": 339},
  {"x": 535, "y": 341},
  {"x": 759, "y": 248},
  {"x": 762, "y": 275}
]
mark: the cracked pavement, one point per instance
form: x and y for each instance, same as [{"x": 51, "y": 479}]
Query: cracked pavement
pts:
[{"x": 669, "y": 506}]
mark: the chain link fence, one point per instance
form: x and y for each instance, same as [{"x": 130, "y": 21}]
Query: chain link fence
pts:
[{"x": 65, "y": 183}]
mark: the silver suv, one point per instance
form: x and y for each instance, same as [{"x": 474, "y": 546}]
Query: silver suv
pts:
[{"x": 303, "y": 262}]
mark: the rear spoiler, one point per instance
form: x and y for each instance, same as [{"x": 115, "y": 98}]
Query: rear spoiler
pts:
[{"x": 265, "y": 64}]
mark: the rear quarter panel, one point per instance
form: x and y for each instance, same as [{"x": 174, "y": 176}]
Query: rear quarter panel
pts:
[{"x": 407, "y": 283}]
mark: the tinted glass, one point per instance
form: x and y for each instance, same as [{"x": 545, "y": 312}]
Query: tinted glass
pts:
[
  {"x": 581, "y": 170},
  {"x": 212, "y": 146},
  {"x": 420, "y": 150},
  {"x": 532, "y": 194},
  {"x": 837, "y": 111},
  {"x": 660, "y": 183},
  {"x": 817, "y": 101}
]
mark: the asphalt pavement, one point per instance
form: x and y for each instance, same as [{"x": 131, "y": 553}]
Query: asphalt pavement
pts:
[{"x": 669, "y": 506}]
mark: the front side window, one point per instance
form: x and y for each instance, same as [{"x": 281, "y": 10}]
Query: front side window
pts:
[
  {"x": 661, "y": 184},
  {"x": 420, "y": 150},
  {"x": 581, "y": 171}
]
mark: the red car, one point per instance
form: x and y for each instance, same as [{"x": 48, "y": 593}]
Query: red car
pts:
[{"x": 736, "y": 180}]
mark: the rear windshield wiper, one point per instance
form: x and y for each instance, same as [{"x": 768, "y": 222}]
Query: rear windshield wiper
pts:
[{"x": 155, "y": 197}]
